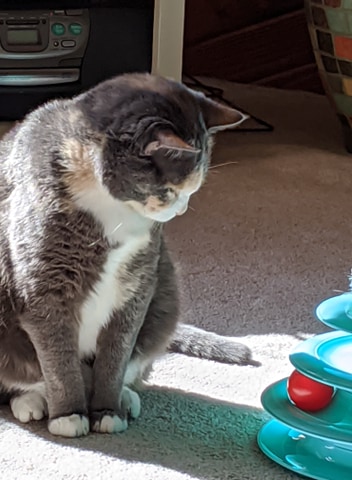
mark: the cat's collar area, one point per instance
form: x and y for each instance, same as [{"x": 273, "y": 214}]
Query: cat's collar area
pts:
[{"x": 120, "y": 221}]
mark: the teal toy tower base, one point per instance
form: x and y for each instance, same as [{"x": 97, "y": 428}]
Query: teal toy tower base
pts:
[{"x": 316, "y": 445}]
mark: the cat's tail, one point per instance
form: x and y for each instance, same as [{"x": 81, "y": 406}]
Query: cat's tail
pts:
[{"x": 196, "y": 342}]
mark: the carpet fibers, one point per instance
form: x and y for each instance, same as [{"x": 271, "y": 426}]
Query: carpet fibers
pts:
[{"x": 267, "y": 238}]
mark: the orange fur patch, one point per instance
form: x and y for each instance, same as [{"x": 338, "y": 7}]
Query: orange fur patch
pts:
[
  {"x": 79, "y": 172},
  {"x": 154, "y": 204}
]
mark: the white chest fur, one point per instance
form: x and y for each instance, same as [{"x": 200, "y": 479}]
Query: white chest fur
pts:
[
  {"x": 115, "y": 287},
  {"x": 110, "y": 293}
]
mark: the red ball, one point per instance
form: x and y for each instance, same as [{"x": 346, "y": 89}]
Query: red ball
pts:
[{"x": 308, "y": 394}]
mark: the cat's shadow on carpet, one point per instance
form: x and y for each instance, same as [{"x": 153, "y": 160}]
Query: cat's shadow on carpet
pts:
[{"x": 178, "y": 431}]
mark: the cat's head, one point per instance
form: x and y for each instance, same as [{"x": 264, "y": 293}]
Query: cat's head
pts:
[{"x": 157, "y": 140}]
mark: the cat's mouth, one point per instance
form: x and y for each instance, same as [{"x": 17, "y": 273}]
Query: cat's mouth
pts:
[
  {"x": 171, "y": 203},
  {"x": 161, "y": 213},
  {"x": 166, "y": 214}
]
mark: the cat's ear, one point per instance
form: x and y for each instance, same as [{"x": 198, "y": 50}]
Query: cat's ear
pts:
[
  {"x": 220, "y": 117},
  {"x": 167, "y": 139},
  {"x": 169, "y": 146}
]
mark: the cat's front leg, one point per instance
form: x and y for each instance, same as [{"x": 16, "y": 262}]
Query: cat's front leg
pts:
[
  {"x": 54, "y": 337},
  {"x": 112, "y": 404}
]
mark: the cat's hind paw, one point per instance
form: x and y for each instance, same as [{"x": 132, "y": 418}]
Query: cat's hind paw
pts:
[
  {"x": 28, "y": 406},
  {"x": 74, "y": 425},
  {"x": 131, "y": 403},
  {"x": 107, "y": 421}
]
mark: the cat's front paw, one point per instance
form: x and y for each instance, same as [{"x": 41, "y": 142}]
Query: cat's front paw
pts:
[
  {"x": 107, "y": 421},
  {"x": 28, "y": 406},
  {"x": 74, "y": 425},
  {"x": 110, "y": 421}
]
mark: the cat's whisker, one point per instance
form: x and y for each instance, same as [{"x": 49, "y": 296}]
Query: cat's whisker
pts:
[
  {"x": 191, "y": 208},
  {"x": 111, "y": 233},
  {"x": 94, "y": 243},
  {"x": 223, "y": 165},
  {"x": 116, "y": 228},
  {"x": 111, "y": 134}
]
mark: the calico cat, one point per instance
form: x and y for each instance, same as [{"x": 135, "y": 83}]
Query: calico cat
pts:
[{"x": 88, "y": 295}]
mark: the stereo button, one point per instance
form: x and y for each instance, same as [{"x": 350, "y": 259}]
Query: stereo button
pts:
[
  {"x": 75, "y": 28},
  {"x": 68, "y": 43},
  {"x": 58, "y": 29}
]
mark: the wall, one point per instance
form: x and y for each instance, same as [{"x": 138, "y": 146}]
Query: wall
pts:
[{"x": 264, "y": 42}]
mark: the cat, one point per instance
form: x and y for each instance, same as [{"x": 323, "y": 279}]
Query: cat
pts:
[{"x": 88, "y": 293}]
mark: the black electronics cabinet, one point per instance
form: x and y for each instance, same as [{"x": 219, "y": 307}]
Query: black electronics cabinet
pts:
[{"x": 53, "y": 49}]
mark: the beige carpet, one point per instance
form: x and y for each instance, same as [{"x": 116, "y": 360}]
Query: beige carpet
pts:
[{"x": 269, "y": 237}]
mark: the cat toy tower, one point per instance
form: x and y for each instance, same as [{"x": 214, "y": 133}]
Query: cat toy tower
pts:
[{"x": 311, "y": 432}]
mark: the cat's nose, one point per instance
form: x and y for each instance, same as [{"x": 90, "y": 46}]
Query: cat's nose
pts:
[
  {"x": 182, "y": 210},
  {"x": 182, "y": 203}
]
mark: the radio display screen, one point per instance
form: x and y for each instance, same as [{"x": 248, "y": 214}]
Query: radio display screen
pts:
[{"x": 23, "y": 37}]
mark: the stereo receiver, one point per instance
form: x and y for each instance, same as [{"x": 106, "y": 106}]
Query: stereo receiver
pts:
[
  {"x": 37, "y": 46},
  {"x": 58, "y": 52}
]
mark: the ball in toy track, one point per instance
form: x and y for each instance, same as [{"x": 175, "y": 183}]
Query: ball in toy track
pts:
[{"x": 307, "y": 394}]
